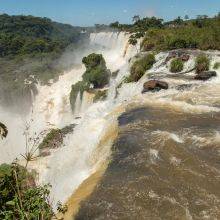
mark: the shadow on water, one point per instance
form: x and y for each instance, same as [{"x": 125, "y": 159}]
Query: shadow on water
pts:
[{"x": 165, "y": 165}]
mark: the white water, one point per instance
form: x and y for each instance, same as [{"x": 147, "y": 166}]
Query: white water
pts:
[{"x": 81, "y": 154}]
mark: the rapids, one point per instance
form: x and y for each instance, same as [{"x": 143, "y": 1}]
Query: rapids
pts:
[{"x": 89, "y": 145}]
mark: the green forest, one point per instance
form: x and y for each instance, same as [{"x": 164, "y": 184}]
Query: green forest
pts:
[
  {"x": 30, "y": 48},
  {"x": 21, "y": 35},
  {"x": 202, "y": 32}
]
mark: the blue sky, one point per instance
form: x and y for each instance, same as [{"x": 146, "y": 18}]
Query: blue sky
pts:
[{"x": 89, "y": 12}]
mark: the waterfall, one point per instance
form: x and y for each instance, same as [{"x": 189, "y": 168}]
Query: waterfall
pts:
[{"x": 89, "y": 145}]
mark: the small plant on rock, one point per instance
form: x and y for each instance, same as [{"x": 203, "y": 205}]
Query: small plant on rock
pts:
[
  {"x": 176, "y": 65},
  {"x": 202, "y": 63},
  {"x": 216, "y": 65}
]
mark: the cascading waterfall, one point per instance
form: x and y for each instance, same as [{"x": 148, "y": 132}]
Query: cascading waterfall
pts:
[{"x": 81, "y": 154}]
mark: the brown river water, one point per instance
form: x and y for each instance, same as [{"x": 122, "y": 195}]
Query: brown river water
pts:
[{"x": 165, "y": 165}]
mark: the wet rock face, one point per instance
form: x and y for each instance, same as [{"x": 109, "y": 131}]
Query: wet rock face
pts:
[
  {"x": 3, "y": 130},
  {"x": 154, "y": 85},
  {"x": 205, "y": 75},
  {"x": 158, "y": 170},
  {"x": 54, "y": 139},
  {"x": 183, "y": 55}
]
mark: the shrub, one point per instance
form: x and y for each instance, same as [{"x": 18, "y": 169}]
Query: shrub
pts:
[
  {"x": 52, "y": 140},
  {"x": 202, "y": 63},
  {"x": 140, "y": 66},
  {"x": 100, "y": 95},
  {"x": 176, "y": 65},
  {"x": 216, "y": 65},
  {"x": 93, "y": 60},
  {"x": 127, "y": 79},
  {"x": 20, "y": 197},
  {"x": 203, "y": 37},
  {"x": 98, "y": 76},
  {"x": 96, "y": 70}
]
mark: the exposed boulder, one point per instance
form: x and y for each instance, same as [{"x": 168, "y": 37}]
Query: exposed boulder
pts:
[
  {"x": 154, "y": 85},
  {"x": 205, "y": 75},
  {"x": 185, "y": 57},
  {"x": 182, "y": 55},
  {"x": 68, "y": 129},
  {"x": 115, "y": 73},
  {"x": 53, "y": 140},
  {"x": 3, "y": 131}
]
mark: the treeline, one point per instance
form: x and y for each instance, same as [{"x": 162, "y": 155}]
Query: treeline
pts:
[
  {"x": 21, "y": 35},
  {"x": 200, "y": 33}
]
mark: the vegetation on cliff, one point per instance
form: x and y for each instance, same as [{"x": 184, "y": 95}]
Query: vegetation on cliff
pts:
[
  {"x": 77, "y": 89},
  {"x": 96, "y": 73},
  {"x": 100, "y": 95},
  {"x": 96, "y": 76},
  {"x": 52, "y": 140},
  {"x": 200, "y": 33},
  {"x": 140, "y": 66}
]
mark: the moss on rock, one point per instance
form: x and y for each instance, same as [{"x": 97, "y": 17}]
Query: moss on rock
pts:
[
  {"x": 100, "y": 95},
  {"x": 140, "y": 66},
  {"x": 77, "y": 88},
  {"x": 96, "y": 70}
]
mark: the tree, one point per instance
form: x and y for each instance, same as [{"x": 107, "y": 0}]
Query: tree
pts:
[
  {"x": 114, "y": 25},
  {"x": 178, "y": 21},
  {"x": 186, "y": 17},
  {"x": 136, "y": 18},
  {"x": 202, "y": 16}
]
